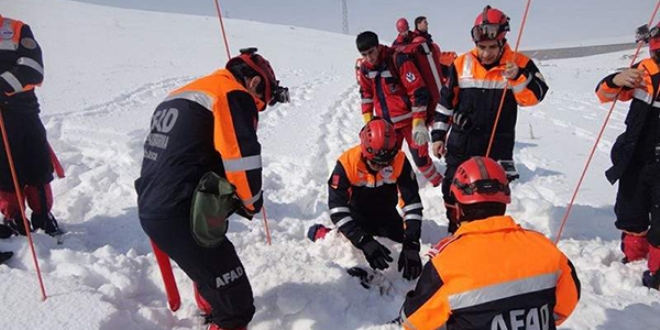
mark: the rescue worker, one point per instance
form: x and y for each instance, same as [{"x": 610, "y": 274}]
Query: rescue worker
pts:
[
  {"x": 405, "y": 36},
  {"x": 422, "y": 29},
  {"x": 207, "y": 126},
  {"x": 364, "y": 190},
  {"x": 392, "y": 86},
  {"x": 636, "y": 159},
  {"x": 515, "y": 278},
  {"x": 470, "y": 103},
  {"x": 21, "y": 70}
]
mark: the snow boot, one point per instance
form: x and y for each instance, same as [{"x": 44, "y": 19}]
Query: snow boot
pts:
[
  {"x": 5, "y": 231},
  {"x": 634, "y": 246},
  {"x": 650, "y": 280},
  {"x": 17, "y": 226},
  {"x": 46, "y": 222},
  {"x": 4, "y": 256},
  {"x": 317, "y": 232},
  {"x": 214, "y": 326}
]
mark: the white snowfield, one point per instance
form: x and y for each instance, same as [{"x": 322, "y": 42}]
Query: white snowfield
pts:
[{"x": 107, "y": 69}]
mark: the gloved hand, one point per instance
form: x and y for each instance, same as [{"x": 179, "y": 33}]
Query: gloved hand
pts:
[
  {"x": 409, "y": 261},
  {"x": 462, "y": 121},
  {"x": 376, "y": 254},
  {"x": 419, "y": 132}
]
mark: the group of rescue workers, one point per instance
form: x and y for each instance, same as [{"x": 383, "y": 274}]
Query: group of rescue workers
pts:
[{"x": 440, "y": 104}]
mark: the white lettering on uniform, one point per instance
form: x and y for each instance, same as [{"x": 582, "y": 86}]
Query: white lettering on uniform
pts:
[
  {"x": 521, "y": 319},
  {"x": 229, "y": 277}
]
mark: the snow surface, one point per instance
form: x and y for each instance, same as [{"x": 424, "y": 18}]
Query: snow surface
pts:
[{"x": 108, "y": 68}]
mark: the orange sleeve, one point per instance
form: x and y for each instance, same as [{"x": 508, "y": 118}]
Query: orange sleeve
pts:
[
  {"x": 426, "y": 307},
  {"x": 235, "y": 138}
]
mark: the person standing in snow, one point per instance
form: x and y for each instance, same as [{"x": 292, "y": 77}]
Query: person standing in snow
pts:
[
  {"x": 636, "y": 159},
  {"x": 208, "y": 127},
  {"x": 364, "y": 190},
  {"x": 21, "y": 70},
  {"x": 392, "y": 86},
  {"x": 469, "y": 105},
  {"x": 515, "y": 278},
  {"x": 405, "y": 36},
  {"x": 422, "y": 28}
]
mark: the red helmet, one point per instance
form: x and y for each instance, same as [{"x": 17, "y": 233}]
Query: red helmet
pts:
[
  {"x": 491, "y": 24},
  {"x": 479, "y": 180},
  {"x": 402, "y": 25},
  {"x": 378, "y": 141},
  {"x": 654, "y": 40},
  {"x": 273, "y": 93}
]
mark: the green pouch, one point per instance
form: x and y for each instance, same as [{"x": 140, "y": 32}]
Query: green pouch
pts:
[{"x": 214, "y": 200}]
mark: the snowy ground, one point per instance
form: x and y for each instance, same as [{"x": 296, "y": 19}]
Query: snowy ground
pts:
[{"x": 107, "y": 69}]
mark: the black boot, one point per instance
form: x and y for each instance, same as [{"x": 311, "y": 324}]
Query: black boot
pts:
[
  {"x": 651, "y": 281},
  {"x": 4, "y": 256},
  {"x": 46, "y": 222},
  {"x": 5, "y": 231},
  {"x": 17, "y": 226}
]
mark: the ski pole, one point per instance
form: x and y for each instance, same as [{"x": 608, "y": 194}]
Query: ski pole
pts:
[
  {"x": 222, "y": 27},
  {"x": 19, "y": 196},
  {"x": 171, "y": 289},
  {"x": 506, "y": 83},
  {"x": 263, "y": 212},
  {"x": 600, "y": 135}
]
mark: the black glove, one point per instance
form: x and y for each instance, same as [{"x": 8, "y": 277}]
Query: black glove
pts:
[
  {"x": 376, "y": 254},
  {"x": 410, "y": 261},
  {"x": 462, "y": 121}
]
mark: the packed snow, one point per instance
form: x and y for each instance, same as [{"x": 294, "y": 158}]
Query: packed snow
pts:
[{"x": 108, "y": 68}]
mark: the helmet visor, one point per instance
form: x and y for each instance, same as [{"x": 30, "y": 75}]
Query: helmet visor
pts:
[{"x": 484, "y": 32}]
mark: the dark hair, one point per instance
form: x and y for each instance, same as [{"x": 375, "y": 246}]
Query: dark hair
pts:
[
  {"x": 481, "y": 210},
  {"x": 418, "y": 20},
  {"x": 366, "y": 40},
  {"x": 242, "y": 70}
]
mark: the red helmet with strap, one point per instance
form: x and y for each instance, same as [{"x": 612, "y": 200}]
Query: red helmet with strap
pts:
[
  {"x": 479, "y": 180},
  {"x": 654, "y": 38},
  {"x": 273, "y": 93},
  {"x": 378, "y": 141},
  {"x": 402, "y": 25},
  {"x": 491, "y": 24}
]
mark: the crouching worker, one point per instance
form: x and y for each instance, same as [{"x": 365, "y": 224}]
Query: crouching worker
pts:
[
  {"x": 364, "y": 190},
  {"x": 491, "y": 274}
]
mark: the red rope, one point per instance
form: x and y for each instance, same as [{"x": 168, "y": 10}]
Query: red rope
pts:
[
  {"x": 600, "y": 134},
  {"x": 19, "y": 196},
  {"x": 222, "y": 27},
  {"x": 506, "y": 85}
]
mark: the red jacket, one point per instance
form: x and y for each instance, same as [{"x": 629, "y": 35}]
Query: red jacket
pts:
[{"x": 393, "y": 88}]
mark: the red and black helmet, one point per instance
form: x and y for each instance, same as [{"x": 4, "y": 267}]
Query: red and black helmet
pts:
[
  {"x": 273, "y": 93},
  {"x": 378, "y": 141},
  {"x": 654, "y": 38},
  {"x": 491, "y": 24},
  {"x": 479, "y": 180},
  {"x": 402, "y": 25}
]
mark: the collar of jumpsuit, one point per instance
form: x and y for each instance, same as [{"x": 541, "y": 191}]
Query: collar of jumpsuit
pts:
[{"x": 492, "y": 224}]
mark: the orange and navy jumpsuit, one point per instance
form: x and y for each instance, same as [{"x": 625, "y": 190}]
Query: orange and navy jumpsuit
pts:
[
  {"x": 21, "y": 70},
  {"x": 515, "y": 279},
  {"x": 363, "y": 202},
  {"x": 636, "y": 157},
  {"x": 469, "y": 106},
  {"x": 394, "y": 90},
  {"x": 208, "y": 125}
]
